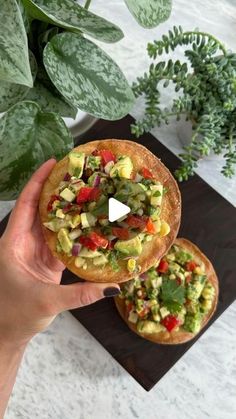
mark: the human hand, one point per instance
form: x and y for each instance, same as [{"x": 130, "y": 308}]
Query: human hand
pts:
[{"x": 30, "y": 291}]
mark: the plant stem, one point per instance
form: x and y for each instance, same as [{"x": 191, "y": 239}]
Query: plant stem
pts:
[
  {"x": 221, "y": 46},
  {"x": 87, "y": 4}
]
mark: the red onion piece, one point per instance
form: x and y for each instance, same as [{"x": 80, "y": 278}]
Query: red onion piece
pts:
[
  {"x": 96, "y": 181},
  {"x": 144, "y": 275},
  {"x": 76, "y": 249},
  {"x": 67, "y": 177}
]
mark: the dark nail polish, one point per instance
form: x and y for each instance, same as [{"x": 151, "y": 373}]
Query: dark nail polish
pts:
[{"x": 111, "y": 292}]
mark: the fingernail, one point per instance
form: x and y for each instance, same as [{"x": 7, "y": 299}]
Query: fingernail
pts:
[{"x": 111, "y": 292}]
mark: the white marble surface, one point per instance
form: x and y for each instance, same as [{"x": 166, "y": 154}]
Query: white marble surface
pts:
[{"x": 65, "y": 373}]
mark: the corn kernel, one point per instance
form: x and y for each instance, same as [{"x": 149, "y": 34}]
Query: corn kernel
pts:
[
  {"x": 165, "y": 229},
  {"x": 131, "y": 265}
]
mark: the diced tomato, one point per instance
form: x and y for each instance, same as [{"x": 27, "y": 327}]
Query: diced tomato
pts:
[
  {"x": 95, "y": 194},
  {"x": 190, "y": 266},
  {"x": 144, "y": 312},
  {"x": 121, "y": 233},
  {"x": 163, "y": 266},
  {"x": 106, "y": 156},
  {"x": 146, "y": 173},
  {"x": 170, "y": 322},
  {"x": 188, "y": 278},
  {"x": 129, "y": 307},
  {"x": 99, "y": 240},
  {"x": 52, "y": 199},
  {"x": 150, "y": 227},
  {"x": 178, "y": 280},
  {"x": 136, "y": 221},
  {"x": 87, "y": 193},
  {"x": 87, "y": 242}
]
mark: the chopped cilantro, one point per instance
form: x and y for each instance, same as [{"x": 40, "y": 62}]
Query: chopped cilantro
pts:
[{"x": 171, "y": 292}]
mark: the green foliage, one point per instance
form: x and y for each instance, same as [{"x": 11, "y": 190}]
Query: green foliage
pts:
[
  {"x": 36, "y": 137},
  {"x": 150, "y": 13},
  {"x": 49, "y": 69},
  {"x": 87, "y": 77},
  {"x": 207, "y": 96},
  {"x": 14, "y": 58}
]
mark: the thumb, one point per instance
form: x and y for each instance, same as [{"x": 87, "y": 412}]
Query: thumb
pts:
[{"x": 80, "y": 294}]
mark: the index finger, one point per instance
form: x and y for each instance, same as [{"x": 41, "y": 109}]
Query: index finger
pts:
[{"x": 23, "y": 214}]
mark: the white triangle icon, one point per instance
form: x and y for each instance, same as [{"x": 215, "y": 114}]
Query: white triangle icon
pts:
[{"x": 116, "y": 209}]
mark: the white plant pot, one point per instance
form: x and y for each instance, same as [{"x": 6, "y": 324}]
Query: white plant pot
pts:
[
  {"x": 184, "y": 132},
  {"x": 80, "y": 124}
]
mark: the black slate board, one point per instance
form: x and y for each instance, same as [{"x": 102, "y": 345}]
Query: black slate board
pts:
[{"x": 208, "y": 220}]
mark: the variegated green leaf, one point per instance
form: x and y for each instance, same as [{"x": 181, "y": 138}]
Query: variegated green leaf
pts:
[
  {"x": 87, "y": 77},
  {"x": 150, "y": 13},
  {"x": 11, "y": 93},
  {"x": 14, "y": 58},
  {"x": 70, "y": 15},
  {"x": 24, "y": 16},
  {"x": 28, "y": 137},
  {"x": 49, "y": 101}
]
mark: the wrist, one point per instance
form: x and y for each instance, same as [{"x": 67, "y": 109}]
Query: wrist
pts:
[{"x": 12, "y": 345}]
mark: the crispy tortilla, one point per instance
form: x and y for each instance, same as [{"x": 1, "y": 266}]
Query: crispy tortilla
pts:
[
  {"x": 180, "y": 336},
  {"x": 171, "y": 210}
]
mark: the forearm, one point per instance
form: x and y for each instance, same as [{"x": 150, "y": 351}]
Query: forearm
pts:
[{"x": 10, "y": 359}]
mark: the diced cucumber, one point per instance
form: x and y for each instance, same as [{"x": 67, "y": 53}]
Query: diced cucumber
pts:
[
  {"x": 67, "y": 195},
  {"x": 74, "y": 234},
  {"x": 87, "y": 220},
  {"x": 60, "y": 214},
  {"x": 156, "y": 195},
  {"x": 79, "y": 262},
  {"x": 100, "y": 260},
  {"x": 164, "y": 312},
  {"x": 75, "y": 221},
  {"x": 87, "y": 253},
  {"x": 64, "y": 240},
  {"x": 133, "y": 317}
]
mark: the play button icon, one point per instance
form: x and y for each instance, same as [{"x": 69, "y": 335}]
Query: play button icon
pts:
[{"x": 116, "y": 209}]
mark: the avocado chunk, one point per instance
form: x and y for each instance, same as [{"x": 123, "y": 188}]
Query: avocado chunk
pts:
[
  {"x": 64, "y": 240},
  {"x": 67, "y": 195},
  {"x": 193, "y": 322},
  {"x": 123, "y": 168},
  {"x": 131, "y": 247},
  {"x": 76, "y": 163},
  {"x": 149, "y": 327}
]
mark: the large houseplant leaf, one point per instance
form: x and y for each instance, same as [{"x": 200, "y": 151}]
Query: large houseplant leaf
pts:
[
  {"x": 70, "y": 15},
  {"x": 50, "y": 101},
  {"x": 28, "y": 137},
  {"x": 24, "y": 14},
  {"x": 87, "y": 77},
  {"x": 14, "y": 57},
  {"x": 150, "y": 13},
  {"x": 11, "y": 93}
]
